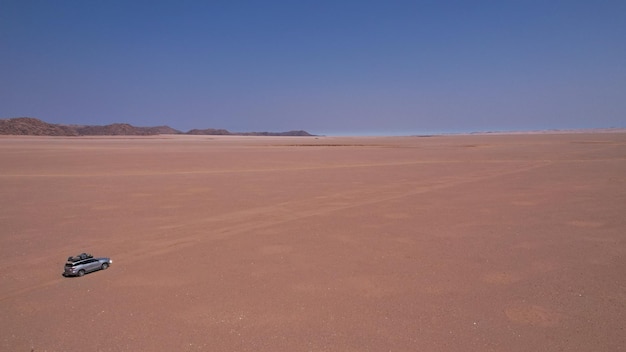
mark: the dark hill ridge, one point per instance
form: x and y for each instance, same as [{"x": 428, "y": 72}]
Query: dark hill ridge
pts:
[
  {"x": 123, "y": 129},
  {"x": 34, "y": 127}
]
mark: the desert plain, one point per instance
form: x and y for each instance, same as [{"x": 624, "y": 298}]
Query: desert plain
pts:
[{"x": 443, "y": 243}]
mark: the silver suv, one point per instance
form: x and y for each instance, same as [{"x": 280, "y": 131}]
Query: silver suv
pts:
[{"x": 85, "y": 263}]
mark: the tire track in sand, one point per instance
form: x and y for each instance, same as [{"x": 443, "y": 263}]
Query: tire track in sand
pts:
[{"x": 173, "y": 238}]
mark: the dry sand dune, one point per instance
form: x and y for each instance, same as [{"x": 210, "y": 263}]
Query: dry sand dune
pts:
[{"x": 447, "y": 243}]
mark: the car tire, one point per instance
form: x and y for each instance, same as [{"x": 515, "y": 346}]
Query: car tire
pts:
[
  {"x": 105, "y": 265},
  {"x": 81, "y": 272}
]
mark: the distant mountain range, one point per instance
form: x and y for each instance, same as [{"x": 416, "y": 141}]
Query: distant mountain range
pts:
[{"x": 35, "y": 127}]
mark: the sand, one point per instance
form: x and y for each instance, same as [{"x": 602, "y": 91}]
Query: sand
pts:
[{"x": 443, "y": 243}]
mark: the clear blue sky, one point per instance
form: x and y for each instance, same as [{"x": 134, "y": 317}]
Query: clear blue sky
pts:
[{"x": 328, "y": 67}]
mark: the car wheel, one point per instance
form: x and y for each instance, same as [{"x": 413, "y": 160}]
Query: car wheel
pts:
[
  {"x": 105, "y": 265},
  {"x": 81, "y": 272}
]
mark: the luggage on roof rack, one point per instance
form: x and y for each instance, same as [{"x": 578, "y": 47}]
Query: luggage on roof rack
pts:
[{"x": 78, "y": 257}]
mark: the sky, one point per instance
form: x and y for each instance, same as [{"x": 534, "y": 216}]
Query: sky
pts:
[{"x": 354, "y": 67}]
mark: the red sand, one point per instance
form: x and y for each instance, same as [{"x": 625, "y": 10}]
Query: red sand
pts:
[{"x": 448, "y": 243}]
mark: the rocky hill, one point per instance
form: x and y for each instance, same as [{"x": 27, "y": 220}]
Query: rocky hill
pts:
[
  {"x": 123, "y": 129},
  {"x": 35, "y": 127},
  {"x": 209, "y": 131}
]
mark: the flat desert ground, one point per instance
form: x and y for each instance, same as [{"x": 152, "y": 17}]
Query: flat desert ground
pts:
[{"x": 444, "y": 243}]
